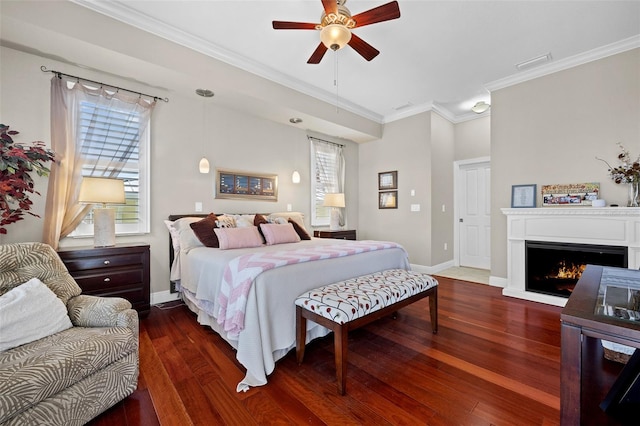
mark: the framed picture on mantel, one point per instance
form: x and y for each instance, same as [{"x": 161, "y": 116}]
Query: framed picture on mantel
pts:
[{"x": 523, "y": 196}]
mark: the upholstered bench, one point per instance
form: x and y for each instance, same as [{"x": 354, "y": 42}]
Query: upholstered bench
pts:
[{"x": 349, "y": 304}]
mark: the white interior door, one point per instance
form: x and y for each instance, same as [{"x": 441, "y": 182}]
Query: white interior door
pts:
[{"x": 474, "y": 221}]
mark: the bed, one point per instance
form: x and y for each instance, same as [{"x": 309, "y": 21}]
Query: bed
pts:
[{"x": 205, "y": 278}]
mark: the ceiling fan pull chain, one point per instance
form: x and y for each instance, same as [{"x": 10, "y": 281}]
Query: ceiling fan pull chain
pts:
[{"x": 335, "y": 78}]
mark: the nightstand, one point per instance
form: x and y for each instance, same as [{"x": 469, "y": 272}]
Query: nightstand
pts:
[
  {"x": 344, "y": 234},
  {"x": 120, "y": 271}
]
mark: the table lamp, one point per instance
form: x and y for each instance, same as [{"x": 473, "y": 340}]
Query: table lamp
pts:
[
  {"x": 102, "y": 191},
  {"x": 334, "y": 201}
]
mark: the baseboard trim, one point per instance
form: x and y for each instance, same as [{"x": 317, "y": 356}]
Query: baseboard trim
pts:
[
  {"x": 163, "y": 297},
  {"x": 433, "y": 269}
]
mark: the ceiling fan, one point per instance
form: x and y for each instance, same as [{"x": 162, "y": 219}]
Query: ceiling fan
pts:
[{"x": 336, "y": 24}]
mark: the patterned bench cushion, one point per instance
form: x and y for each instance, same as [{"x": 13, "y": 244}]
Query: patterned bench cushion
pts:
[
  {"x": 33, "y": 372},
  {"x": 347, "y": 300}
]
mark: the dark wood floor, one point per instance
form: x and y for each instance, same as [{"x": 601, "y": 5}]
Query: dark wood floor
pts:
[{"x": 495, "y": 361}]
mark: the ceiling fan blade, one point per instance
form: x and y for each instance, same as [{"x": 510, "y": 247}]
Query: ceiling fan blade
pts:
[
  {"x": 330, "y": 6},
  {"x": 363, "y": 48},
  {"x": 382, "y": 13},
  {"x": 317, "y": 55},
  {"x": 284, "y": 25}
]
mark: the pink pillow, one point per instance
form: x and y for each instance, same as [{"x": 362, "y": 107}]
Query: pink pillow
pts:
[
  {"x": 279, "y": 234},
  {"x": 231, "y": 238}
]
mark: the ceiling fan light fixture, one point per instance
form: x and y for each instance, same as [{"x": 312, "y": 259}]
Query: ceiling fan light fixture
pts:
[
  {"x": 335, "y": 36},
  {"x": 480, "y": 107}
]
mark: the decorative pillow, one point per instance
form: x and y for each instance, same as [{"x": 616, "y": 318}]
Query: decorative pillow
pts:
[
  {"x": 279, "y": 234},
  {"x": 30, "y": 312},
  {"x": 232, "y": 238},
  {"x": 297, "y": 217},
  {"x": 257, "y": 221},
  {"x": 204, "y": 230},
  {"x": 302, "y": 233},
  {"x": 175, "y": 235},
  {"x": 243, "y": 222},
  {"x": 188, "y": 239},
  {"x": 226, "y": 222}
]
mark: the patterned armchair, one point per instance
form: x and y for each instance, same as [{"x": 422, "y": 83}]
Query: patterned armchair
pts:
[{"x": 71, "y": 376}]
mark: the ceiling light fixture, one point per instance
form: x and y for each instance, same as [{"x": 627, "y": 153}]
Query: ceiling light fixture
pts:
[
  {"x": 203, "y": 166},
  {"x": 480, "y": 107},
  {"x": 335, "y": 36}
]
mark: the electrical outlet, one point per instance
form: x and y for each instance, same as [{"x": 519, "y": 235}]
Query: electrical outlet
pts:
[
  {"x": 289, "y": 207},
  {"x": 198, "y": 206},
  {"x": 415, "y": 207}
]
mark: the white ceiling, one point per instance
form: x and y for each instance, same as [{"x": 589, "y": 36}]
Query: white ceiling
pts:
[{"x": 438, "y": 54}]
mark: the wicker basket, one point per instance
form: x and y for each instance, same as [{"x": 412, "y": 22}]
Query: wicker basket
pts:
[{"x": 616, "y": 352}]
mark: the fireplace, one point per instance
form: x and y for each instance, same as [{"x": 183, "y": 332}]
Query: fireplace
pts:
[
  {"x": 600, "y": 226},
  {"x": 555, "y": 267}
]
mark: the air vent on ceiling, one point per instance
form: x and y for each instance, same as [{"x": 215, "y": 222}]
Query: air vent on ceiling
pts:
[{"x": 534, "y": 62}]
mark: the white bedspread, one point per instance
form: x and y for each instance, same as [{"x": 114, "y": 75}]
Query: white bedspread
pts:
[{"x": 269, "y": 329}]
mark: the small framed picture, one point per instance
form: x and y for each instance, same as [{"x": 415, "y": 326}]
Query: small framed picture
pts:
[
  {"x": 523, "y": 196},
  {"x": 388, "y": 200},
  {"x": 388, "y": 180}
]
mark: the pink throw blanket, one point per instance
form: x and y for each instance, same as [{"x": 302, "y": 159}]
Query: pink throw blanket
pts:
[{"x": 240, "y": 273}]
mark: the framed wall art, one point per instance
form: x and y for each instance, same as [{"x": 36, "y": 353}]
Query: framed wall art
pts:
[
  {"x": 571, "y": 195},
  {"x": 388, "y": 199},
  {"x": 388, "y": 180},
  {"x": 523, "y": 196},
  {"x": 246, "y": 185}
]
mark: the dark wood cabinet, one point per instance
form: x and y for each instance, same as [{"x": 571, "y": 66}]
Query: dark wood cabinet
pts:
[
  {"x": 344, "y": 234},
  {"x": 119, "y": 271},
  {"x": 585, "y": 376}
]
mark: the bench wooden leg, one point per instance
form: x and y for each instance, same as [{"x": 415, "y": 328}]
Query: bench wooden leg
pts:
[
  {"x": 433, "y": 309},
  {"x": 301, "y": 334},
  {"x": 340, "y": 342}
]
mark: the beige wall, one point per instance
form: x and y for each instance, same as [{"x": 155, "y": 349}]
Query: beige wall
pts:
[
  {"x": 232, "y": 140},
  {"x": 549, "y": 130},
  {"x": 442, "y": 156},
  {"x": 473, "y": 138},
  {"x": 405, "y": 147}
]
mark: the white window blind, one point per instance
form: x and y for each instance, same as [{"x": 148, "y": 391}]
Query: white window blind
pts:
[
  {"x": 327, "y": 170},
  {"x": 113, "y": 146}
]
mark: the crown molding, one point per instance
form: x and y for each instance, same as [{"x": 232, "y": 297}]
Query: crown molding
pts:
[
  {"x": 125, "y": 14},
  {"x": 563, "y": 64}
]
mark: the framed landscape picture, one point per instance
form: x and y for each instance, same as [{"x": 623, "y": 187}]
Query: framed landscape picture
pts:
[
  {"x": 388, "y": 180},
  {"x": 388, "y": 200},
  {"x": 246, "y": 185}
]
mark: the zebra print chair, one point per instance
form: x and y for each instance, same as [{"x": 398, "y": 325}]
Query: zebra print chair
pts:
[{"x": 72, "y": 376}]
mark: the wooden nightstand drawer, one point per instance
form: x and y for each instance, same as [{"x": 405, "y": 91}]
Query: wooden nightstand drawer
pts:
[
  {"x": 344, "y": 234},
  {"x": 119, "y": 271},
  {"x": 108, "y": 279},
  {"x": 98, "y": 262}
]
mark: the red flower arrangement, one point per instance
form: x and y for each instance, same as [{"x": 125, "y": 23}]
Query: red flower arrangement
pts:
[{"x": 17, "y": 161}]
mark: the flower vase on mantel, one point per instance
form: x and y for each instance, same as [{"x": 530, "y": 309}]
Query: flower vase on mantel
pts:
[{"x": 634, "y": 194}]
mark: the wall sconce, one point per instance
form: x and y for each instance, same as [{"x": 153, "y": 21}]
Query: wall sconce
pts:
[
  {"x": 295, "y": 177},
  {"x": 102, "y": 191},
  {"x": 334, "y": 201},
  {"x": 204, "y": 165}
]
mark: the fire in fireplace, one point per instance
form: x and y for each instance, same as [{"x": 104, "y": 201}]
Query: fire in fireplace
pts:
[{"x": 554, "y": 268}]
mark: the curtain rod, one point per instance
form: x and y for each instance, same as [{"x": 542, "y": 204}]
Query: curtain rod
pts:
[
  {"x": 322, "y": 140},
  {"x": 60, "y": 74}
]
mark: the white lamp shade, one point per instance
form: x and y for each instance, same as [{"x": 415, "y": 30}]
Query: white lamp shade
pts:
[
  {"x": 204, "y": 165},
  {"x": 295, "y": 177},
  {"x": 335, "y": 36},
  {"x": 94, "y": 190},
  {"x": 334, "y": 200}
]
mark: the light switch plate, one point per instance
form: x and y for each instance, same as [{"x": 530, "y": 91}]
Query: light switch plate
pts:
[{"x": 198, "y": 206}]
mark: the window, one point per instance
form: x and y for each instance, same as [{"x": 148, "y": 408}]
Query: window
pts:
[
  {"x": 327, "y": 168},
  {"x": 112, "y": 145}
]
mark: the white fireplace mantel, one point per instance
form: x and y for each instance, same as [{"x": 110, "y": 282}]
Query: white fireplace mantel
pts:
[{"x": 613, "y": 226}]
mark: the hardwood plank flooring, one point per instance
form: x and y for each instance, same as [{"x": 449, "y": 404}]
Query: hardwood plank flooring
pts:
[{"x": 494, "y": 361}]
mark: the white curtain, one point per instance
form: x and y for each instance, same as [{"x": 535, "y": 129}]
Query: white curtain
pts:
[{"x": 62, "y": 212}]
